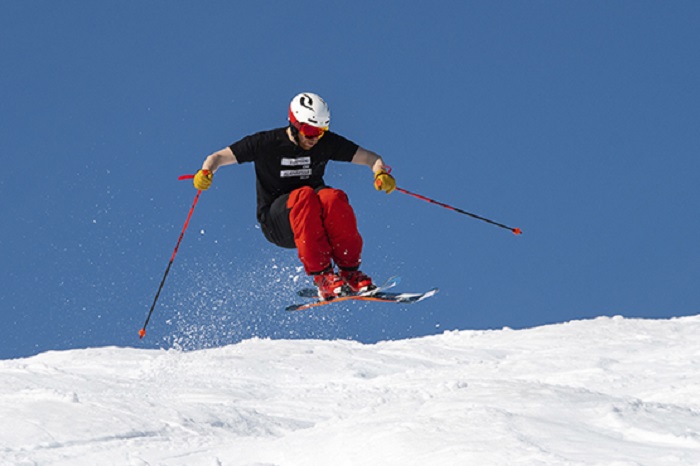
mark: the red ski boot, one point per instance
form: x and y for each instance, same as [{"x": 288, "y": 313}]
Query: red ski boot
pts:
[
  {"x": 329, "y": 284},
  {"x": 357, "y": 281}
]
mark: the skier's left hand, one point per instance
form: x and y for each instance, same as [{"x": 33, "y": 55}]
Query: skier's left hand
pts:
[{"x": 383, "y": 181}]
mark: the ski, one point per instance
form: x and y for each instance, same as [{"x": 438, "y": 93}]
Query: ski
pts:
[
  {"x": 383, "y": 297},
  {"x": 378, "y": 294},
  {"x": 390, "y": 283}
]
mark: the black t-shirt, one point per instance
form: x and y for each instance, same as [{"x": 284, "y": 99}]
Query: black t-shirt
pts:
[{"x": 281, "y": 166}]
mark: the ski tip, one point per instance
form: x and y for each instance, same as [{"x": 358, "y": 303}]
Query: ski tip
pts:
[
  {"x": 392, "y": 282},
  {"x": 297, "y": 307},
  {"x": 142, "y": 333},
  {"x": 517, "y": 231}
]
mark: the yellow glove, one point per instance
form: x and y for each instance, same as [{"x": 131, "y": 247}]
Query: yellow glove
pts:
[
  {"x": 202, "y": 179},
  {"x": 383, "y": 181}
]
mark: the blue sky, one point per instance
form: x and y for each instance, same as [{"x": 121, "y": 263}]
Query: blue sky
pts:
[{"x": 574, "y": 121}]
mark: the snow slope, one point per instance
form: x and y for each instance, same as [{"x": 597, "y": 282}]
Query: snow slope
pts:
[{"x": 608, "y": 391}]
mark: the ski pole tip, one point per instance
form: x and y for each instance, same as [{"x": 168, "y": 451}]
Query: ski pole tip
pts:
[
  {"x": 142, "y": 333},
  {"x": 517, "y": 231}
]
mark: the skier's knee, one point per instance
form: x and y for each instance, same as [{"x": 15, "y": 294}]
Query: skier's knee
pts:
[
  {"x": 333, "y": 195},
  {"x": 300, "y": 195}
]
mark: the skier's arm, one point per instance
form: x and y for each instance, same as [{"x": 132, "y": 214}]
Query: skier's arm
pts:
[
  {"x": 203, "y": 178},
  {"x": 369, "y": 158},
  {"x": 218, "y": 159},
  {"x": 383, "y": 181}
]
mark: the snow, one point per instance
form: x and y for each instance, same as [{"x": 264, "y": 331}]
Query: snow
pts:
[{"x": 607, "y": 391}]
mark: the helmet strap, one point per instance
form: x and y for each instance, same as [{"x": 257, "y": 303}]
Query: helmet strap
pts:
[{"x": 295, "y": 133}]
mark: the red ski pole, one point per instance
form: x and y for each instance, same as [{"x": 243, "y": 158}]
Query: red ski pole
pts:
[
  {"x": 517, "y": 231},
  {"x": 142, "y": 332}
]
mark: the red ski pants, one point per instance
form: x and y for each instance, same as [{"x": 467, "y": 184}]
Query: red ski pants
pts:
[{"x": 325, "y": 229}]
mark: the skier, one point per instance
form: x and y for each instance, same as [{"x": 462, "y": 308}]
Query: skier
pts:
[{"x": 295, "y": 208}]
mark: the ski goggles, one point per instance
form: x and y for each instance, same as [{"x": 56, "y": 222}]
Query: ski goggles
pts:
[{"x": 312, "y": 132}]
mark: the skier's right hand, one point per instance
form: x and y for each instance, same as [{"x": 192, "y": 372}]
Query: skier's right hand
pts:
[
  {"x": 383, "y": 181},
  {"x": 202, "y": 179}
]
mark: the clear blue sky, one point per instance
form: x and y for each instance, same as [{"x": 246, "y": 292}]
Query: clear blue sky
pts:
[{"x": 575, "y": 121}]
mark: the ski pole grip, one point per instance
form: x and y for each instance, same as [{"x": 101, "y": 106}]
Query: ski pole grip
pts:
[{"x": 189, "y": 177}]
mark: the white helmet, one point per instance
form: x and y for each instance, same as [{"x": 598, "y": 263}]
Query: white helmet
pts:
[{"x": 309, "y": 108}]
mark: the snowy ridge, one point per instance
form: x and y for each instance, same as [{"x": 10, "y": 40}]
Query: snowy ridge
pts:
[{"x": 608, "y": 391}]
